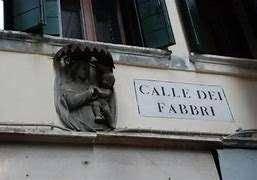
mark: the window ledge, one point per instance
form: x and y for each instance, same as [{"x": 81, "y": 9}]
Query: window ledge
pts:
[
  {"x": 16, "y": 41},
  {"x": 40, "y": 135},
  {"x": 206, "y": 63},
  {"x": 59, "y": 41}
]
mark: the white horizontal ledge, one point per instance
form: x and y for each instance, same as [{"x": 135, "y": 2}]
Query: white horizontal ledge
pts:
[
  {"x": 222, "y": 65},
  {"x": 224, "y": 60},
  {"x": 128, "y": 139},
  {"x": 15, "y": 41},
  {"x": 60, "y": 41},
  {"x": 46, "y": 135}
]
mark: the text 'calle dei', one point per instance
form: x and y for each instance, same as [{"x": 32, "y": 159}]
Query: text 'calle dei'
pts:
[{"x": 181, "y": 101}]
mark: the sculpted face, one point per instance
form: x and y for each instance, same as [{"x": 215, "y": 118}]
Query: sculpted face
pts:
[
  {"x": 82, "y": 71},
  {"x": 108, "y": 80}
]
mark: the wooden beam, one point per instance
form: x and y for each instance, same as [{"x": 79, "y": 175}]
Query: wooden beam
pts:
[
  {"x": 121, "y": 24},
  {"x": 88, "y": 19}
]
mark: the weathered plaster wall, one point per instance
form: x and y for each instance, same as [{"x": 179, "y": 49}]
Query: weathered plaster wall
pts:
[
  {"x": 26, "y": 88},
  {"x": 96, "y": 163},
  {"x": 27, "y": 83}
]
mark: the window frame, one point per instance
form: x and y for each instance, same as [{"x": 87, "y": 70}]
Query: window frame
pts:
[
  {"x": 156, "y": 37},
  {"x": 81, "y": 18},
  {"x": 195, "y": 38},
  {"x": 88, "y": 19}
]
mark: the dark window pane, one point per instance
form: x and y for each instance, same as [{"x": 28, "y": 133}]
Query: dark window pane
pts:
[
  {"x": 71, "y": 19},
  {"x": 130, "y": 22},
  {"x": 106, "y": 21},
  {"x": 251, "y": 8},
  {"x": 215, "y": 27},
  {"x": 221, "y": 24}
]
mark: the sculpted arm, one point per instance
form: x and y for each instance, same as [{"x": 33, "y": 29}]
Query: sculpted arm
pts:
[
  {"x": 75, "y": 100},
  {"x": 103, "y": 93}
]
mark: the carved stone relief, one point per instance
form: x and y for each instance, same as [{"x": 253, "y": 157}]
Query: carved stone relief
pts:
[{"x": 84, "y": 93}]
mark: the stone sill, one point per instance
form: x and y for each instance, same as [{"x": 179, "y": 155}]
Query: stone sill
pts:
[
  {"x": 22, "y": 42},
  {"x": 51, "y": 134},
  {"x": 146, "y": 140},
  {"x": 224, "y": 60},
  {"x": 59, "y": 41},
  {"x": 112, "y": 138},
  {"x": 207, "y": 63}
]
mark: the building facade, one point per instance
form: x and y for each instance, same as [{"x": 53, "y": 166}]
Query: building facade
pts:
[{"x": 185, "y": 90}]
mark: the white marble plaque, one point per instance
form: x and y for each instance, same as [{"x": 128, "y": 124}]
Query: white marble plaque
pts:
[{"x": 181, "y": 101}]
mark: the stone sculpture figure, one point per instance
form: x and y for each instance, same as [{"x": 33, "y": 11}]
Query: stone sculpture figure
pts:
[
  {"x": 101, "y": 107},
  {"x": 84, "y": 96}
]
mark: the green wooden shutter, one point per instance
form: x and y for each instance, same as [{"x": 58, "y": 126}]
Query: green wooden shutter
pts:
[
  {"x": 52, "y": 18},
  {"x": 193, "y": 25},
  {"x": 27, "y": 14},
  {"x": 154, "y": 23}
]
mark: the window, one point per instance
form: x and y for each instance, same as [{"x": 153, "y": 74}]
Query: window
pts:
[
  {"x": 133, "y": 22},
  {"x": 71, "y": 19},
  {"x": 32, "y": 16},
  {"x": 225, "y": 28}
]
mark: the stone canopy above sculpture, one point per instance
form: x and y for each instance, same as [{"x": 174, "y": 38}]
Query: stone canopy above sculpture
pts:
[{"x": 84, "y": 94}]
